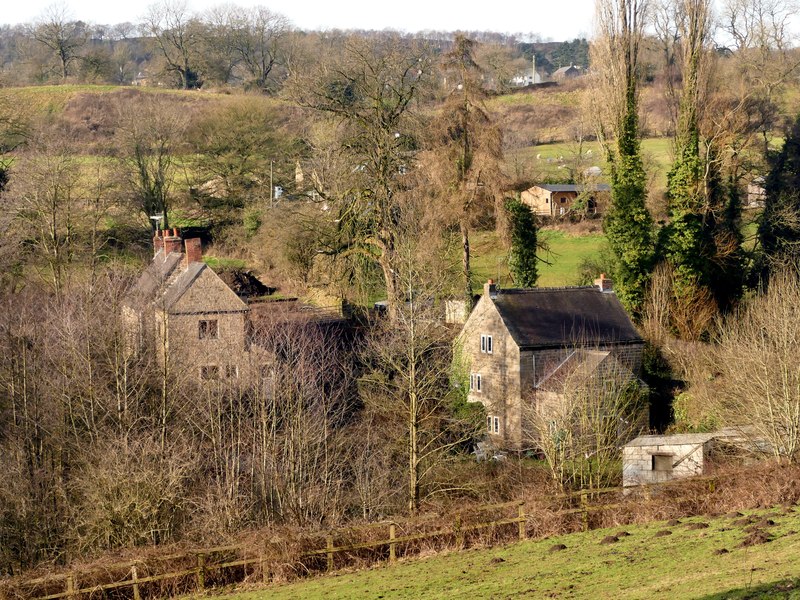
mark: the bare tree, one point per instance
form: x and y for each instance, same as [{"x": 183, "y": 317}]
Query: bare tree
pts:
[
  {"x": 369, "y": 89},
  {"x": 754, "y": 381},
  {"x": 257, "y": 37},
  {"x": 176, "y": 35},
  {"x": 580, "y": 419},
  {"x": 149, "y": 133},
  {"x": 61, "y": 35}
]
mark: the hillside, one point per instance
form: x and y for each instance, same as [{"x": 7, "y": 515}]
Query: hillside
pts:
[{"x": 736, "y": 556}]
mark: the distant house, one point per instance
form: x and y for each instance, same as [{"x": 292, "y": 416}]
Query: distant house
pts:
[
  {"x": 554, "y": 200},
  {"x": 652, "y": 459},
  {"x": 756, "y": 194},
  {"x": 207, "y": 328},
  {"x": 564, "y": 73},
  {"x": 190, "y": 314},
  {"x": 519, "y": 342}
]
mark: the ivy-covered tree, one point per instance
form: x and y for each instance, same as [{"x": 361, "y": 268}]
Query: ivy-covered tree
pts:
[
  {"x": 779, "y": 229},
  {"x": 702, "y": 241},
  {"x": 628, "y": 223},
  {"x": 523, "y": 235}
]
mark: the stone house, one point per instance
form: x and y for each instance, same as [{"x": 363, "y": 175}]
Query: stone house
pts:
[
  {"x": 188, "y": 313},
  {"x": 564, "y": 73},
  {"x": 517, "y": 342},
  {"x": 556, "y": 200}
]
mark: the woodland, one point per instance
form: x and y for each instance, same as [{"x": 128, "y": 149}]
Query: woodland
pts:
[{"x": 347, "y": 167}]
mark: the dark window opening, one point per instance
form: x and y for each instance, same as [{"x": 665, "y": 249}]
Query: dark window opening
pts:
[
  {"x": 207, "y": 330},
  {"x": 662, "y": 462},
  {"x": 209, "y": 372}
]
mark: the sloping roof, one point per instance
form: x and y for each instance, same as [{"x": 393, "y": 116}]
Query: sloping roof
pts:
[
  {"x": 556, "y": 317},
  {"x": 733, "y": 434},
  {"x": 564, "y": 70},
  {"x": 182, "y": 283},
  {"x": 569, "y": 187},
  {"x": 153, "y": 279}
]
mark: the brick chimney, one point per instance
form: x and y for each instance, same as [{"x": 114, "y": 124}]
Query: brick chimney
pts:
[
  {"x": 604, "y": 284},
  {"x": 172, "y": 242},
  {"x": 194, "y": 251},
  {"x": 490, "y": 288},
  {"x": 158, "y": 243}
]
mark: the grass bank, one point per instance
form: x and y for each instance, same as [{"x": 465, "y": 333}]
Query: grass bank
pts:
[{"x": 754, "y": 555}]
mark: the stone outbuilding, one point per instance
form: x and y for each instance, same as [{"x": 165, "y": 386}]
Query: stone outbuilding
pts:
[{"x": 652, "y": 459}]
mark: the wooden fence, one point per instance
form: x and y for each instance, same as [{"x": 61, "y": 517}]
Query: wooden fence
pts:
[{"x": 196, "y": 576}]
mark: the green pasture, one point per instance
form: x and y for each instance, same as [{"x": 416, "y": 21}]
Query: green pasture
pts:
[{"x": 699, "y": 558}]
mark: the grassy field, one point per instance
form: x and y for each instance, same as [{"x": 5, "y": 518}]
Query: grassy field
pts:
[
  {"x": 566, "y": 253},
  {"x": 548, "y": 160},
  {"x": 699, "y": 558}
]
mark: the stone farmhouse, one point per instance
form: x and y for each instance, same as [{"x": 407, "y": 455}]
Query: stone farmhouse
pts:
[
  {"x": 518, "y": 342},
  {"x": 556, "y": 200},
  {"x": 194, "y": 318}
]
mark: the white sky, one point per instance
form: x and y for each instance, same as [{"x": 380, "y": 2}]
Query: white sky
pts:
[{"x": 556, "y": 20}]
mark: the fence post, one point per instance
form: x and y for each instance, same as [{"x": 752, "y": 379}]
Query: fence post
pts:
[
  {"x": 262, "y": 564},
  {"x": 458, "y": 532},
  {"x": 522, "y": 521},
  {"x": 135, "y": 579},
  {"x": 70, "y": 586},
  {"x": 201, "y": 571},
  {"x": 392, "y": 543},
  {"x": 330, "y": 551},
  {"x": 584, "y": 511}
]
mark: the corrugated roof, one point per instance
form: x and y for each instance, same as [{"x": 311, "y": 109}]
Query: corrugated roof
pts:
[
  {"x": 555, "y": 317},
  {"x": 569, "y": 187}
]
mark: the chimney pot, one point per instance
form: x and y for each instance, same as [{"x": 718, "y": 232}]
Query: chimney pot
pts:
[
  {"x": 172, "y": 243},
  {"x": 490, "y": 288},
  {"x": 194, "y": 251}
]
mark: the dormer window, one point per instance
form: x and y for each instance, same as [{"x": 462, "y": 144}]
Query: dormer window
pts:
[{"x": 486, "y": 343}]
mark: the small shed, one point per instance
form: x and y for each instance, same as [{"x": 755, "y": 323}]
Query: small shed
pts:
[{"x": 657, "y": 458}]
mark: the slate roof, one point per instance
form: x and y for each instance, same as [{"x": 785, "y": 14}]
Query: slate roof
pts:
[
  {"x": 569, "y": 187},
  {"x": 554, "y": 317},
  {"x": 164, "y": 282},
  {"x": 153, "y": 279}
]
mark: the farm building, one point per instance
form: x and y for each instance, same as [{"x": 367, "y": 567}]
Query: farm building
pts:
[
  {"x": 203, "y": 327},
  {"x": 519, "y": 343},
  {"x": 658, "y": 458},
  {"x": 555, "y": 200}
]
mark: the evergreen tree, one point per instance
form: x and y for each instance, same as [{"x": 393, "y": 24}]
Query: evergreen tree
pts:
[
  {"x": 779, "y": 230},
  {"x": 522, "y": 232},
  {"x": 703, "y": 243},
  {"x": 628, "y": 224}
]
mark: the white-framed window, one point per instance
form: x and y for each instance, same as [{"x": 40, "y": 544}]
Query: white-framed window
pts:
[
  {"x": 487, "y": 345},
  {"x": 493, "y": 424},
  {"x": 232, "y": 371},
  {"x": 475, "y": 382}
]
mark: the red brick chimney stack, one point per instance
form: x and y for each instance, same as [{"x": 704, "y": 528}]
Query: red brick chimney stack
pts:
[
  {"x": 194, "y": 251},
  {"x": 158, "y": 243},
  {"x": 604, "y": 283},
  {"x": 172, "y": 242}
]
